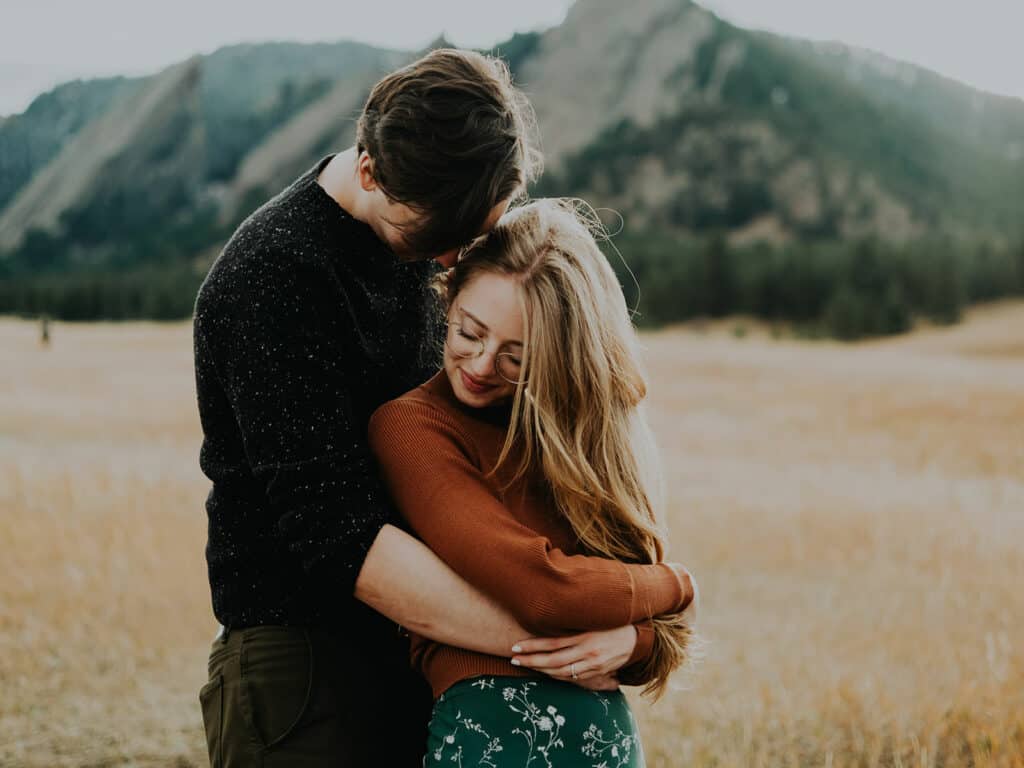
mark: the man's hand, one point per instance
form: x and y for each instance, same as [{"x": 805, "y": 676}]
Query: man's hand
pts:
[{"x": 590, "y": 659}]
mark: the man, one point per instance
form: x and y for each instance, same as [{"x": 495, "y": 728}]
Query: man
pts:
[{"x": 318, "y": 310}]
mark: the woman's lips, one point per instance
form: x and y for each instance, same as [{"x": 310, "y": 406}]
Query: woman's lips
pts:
[{"x": 472, "y": 384}]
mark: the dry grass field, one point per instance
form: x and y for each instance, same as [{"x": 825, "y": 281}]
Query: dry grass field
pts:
[{"x": 855, "y": 515}]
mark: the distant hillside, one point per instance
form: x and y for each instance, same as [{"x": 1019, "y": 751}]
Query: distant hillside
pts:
[
  {"x": 250, "y": 91},
  {"x": 695, "y": 130},
  {"x": 975, "y": 117},
  {"x": 242, "y": 95},
  {"x": 688, "y": 123},
  {"x": 30, "y": 140}
]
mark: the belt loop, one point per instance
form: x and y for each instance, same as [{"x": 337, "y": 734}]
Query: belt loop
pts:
[{"x": 225, "y": 633}]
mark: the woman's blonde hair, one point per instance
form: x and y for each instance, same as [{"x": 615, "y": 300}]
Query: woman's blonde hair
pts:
[{"x": 577, "y": 417}]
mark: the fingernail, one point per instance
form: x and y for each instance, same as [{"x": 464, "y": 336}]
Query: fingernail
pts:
[
  {"x": 516, "y": 648},
  {"x": 515, "y": 662}
]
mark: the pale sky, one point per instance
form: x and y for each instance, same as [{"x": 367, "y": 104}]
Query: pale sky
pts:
[{"x": 45, "y": 42}]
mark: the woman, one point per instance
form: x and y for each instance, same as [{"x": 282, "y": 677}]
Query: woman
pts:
[{"x": 527, "y": 466}]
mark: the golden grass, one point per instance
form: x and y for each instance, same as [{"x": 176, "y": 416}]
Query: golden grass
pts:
[{"x": 855, "y": 515}]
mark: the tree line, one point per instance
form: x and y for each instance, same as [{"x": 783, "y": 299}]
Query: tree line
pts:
[
  {"x": 846, "y": 290},
  {"x": 843, "y": 290}
]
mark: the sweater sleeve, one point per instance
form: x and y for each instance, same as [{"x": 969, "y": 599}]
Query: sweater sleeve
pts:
[
  {"x": 425, "y": 460},
  {"x": 275, "y": 340},
  {"x": 631, "y": 673}
]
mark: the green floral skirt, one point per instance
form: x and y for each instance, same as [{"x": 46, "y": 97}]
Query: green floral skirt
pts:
[{"x": 501, "y": 722}]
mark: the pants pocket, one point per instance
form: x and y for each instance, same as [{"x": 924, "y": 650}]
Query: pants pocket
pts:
[
  {"x": 211, "y": 700},
  {"x": 276, "y": 676}
]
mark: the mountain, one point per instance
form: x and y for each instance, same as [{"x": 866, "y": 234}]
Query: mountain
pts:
[
  {"x": 250, "y": 91},
  {"x": 325, "y": 126},
  {"x": 140, "y": 160},
  {"x": 30, "y": 140},
  {"x": 683, "y": 123},
  {"x": 239, "y": 96},
  {"x": 962, "y": 112}
]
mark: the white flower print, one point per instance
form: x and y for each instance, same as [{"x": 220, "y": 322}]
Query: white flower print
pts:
[
  {"x": 619, "y": 747},
  {"x": 537, "y": 722},
  {"x": 468, "y": 724},
  {"x": 481, "y": 738}
]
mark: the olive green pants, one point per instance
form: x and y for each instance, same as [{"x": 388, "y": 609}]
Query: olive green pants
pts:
[
  {"x": 500, "y": 722},
  {"x": 287, "y": 696}
]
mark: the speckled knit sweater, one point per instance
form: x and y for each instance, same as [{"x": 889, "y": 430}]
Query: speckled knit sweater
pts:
[{"x": 304, "y": 325}]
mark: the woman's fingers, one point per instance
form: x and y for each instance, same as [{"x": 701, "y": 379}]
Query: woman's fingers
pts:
[
  {"x": 546, "y": 661},
  {"x": 580, "y": 668},
  {"x": 547, "y": 644}
]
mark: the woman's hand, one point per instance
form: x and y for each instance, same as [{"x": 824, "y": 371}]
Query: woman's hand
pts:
[{"x": 590, "y": 659}]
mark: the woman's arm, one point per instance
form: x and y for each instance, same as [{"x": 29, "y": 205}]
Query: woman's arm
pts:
[
  {"x": 424, "y": 459},
  {"x": 581, "y": 657},
  {"x": 402, "y": 579}
]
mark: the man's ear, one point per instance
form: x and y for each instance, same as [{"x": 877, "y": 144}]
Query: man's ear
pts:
[{"x": 364, "y": 166}]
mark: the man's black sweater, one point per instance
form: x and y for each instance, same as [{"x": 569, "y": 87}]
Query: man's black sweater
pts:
[{"x": 304, "y": 325}]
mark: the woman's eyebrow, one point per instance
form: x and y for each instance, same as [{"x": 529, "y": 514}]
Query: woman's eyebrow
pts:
[
  {"x": 483, "y": 325},
  {"x": 475, "y": 319}
]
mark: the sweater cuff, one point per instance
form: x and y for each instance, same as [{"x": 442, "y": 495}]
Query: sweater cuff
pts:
[
  {"x": 687, "y": 591},
  {"x": 658, "y": 589},
  {"x": 644, "y": 643},
  {"x": 630, "y": 673}
]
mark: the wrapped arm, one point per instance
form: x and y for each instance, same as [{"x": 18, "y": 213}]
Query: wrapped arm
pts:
[{"x": 425, "y": 460}]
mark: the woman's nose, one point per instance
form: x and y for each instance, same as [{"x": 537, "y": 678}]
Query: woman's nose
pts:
[{"x": 482, "y": 366}]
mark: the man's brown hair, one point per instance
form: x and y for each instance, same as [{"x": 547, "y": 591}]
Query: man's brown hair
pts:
[{"x": 450, "y": 137}]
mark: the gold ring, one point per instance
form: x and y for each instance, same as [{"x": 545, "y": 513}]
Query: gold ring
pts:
[{"x": 572, "y": 670}]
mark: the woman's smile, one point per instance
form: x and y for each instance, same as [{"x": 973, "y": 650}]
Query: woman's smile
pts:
[
  {"x": 487, "y": 323},
  {"x": 473, "y": 384}
]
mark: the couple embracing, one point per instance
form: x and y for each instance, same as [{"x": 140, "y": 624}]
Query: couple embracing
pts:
[{"x": 434, "y": 533}]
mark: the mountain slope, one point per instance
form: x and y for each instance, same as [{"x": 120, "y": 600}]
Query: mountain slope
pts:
[
  {"x": 146, "y": 151},
  {"x": 982, "y": 119},
  {"x": 683, "y": 123},
  {"x": 30, "y": 140},
  {"x": 748, "y": 132},
  {"x": 242, "y": 96},
  {"x": 250, "y": 91},
  {"x": 609, "y": 61},
  {"x": 326, "y": 125}
]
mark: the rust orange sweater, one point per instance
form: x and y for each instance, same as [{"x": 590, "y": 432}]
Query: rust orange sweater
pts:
[{"x": 435, "y": 455}]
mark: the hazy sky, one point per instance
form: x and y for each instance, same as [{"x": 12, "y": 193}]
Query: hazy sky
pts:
[{"x": 44, "y": 42}]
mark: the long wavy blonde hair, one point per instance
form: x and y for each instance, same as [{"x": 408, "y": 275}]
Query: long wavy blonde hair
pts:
[{"x": 577, "y": 417}]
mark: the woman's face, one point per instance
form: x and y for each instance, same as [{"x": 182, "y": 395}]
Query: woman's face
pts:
[{"x": 485, "y": 319}]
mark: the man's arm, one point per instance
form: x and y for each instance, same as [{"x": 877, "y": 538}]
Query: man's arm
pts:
[{"x": 402, "y": 579}]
